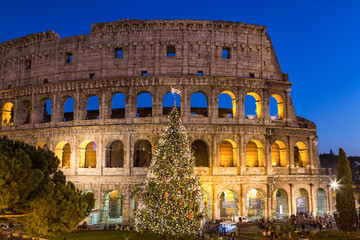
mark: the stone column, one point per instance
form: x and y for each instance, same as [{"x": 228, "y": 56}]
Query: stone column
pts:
[
  {"x": 291, "y": 198},
  {"x": 77, "y": 108},
  {"x": 185, "y": 60},
  {"x": 266, "y": 108},
  {"x": 216, "y": 208},
  {"x": 128, "y": 155},
  {"x": 17, "y": 114},
  {"x": 214, "y": 152},
  {"x": 291, "y": 153},
  {"x": 286, "y": 105},
  {"x": 329, "y": 199},
  {"x": 267, "y": 202},
  {"x": 100, "y": 158},
  {"x": 271, "y": 199},
  {"x": 103, "y": 108},
  {"x": 55, "y": 105},
  {"x": 212, "y": 203},
  {"x": 243, "y": 202},
  {"x": 74, "y": 160},
  {"x": 310, "y": 154},
  {"x": 129, "y": 105},
  {"x": 34, "y": 110},
  {"x": 182, "y": 105},
  {"x": 242, "y": 148},
  {"x": 241, "y": 106},
  {"x": 212, "y": 106},
  {"x": 267, "y": 156},
  {"x": 127, "y": 205},
  {"x": 311, "y": 203}
]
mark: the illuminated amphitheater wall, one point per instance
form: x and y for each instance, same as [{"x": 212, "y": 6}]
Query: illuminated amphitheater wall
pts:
[{"x": 81, "y": 97}]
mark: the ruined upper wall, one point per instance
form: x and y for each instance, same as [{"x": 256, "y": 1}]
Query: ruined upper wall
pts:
[{"x": 41, "y": 57}]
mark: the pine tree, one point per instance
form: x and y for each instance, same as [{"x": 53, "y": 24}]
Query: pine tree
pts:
[
  {"x": 345, "y": 201},
  {"x": 170, "y": 199},
  {"x": 33, "y": 191}
]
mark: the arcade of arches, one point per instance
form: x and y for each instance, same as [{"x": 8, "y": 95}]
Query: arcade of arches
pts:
[
  {"x": 65, "y": 107},
  {"x": 227, "y": 153},
  {"x": 116, "y": 205}
]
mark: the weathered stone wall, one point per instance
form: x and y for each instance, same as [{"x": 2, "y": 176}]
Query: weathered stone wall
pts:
[{"x": 198, "y": 46}]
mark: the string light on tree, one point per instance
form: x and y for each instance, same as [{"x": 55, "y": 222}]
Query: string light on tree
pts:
[{"x": 170, "y": 199}]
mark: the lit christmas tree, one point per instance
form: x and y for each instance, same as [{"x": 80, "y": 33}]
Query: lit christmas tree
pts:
[{"x": 170, "y": 199}]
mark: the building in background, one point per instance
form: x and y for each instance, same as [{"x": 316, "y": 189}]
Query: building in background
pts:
[{"x": 100, "y": 100}]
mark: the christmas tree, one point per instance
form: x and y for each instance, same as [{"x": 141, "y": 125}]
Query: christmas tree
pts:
[{"x": 170, "y": 199}]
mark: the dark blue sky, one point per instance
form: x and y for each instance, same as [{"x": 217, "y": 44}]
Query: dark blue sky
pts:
[{"x": 317, "y": 43}]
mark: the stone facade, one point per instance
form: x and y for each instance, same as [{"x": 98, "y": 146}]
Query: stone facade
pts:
[{"x": 132, "y": 57}]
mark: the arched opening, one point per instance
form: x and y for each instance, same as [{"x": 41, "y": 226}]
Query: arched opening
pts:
[
  {"x": 206, "y": 198},
  {"x": 302, "y": 200},
  {"x": 142, "y": 153},
  {"x": 135, "y": 203},
  {"x": 63, "y": 152},
  {"x": 227, "y": 153},
  {"x": 8, "y": 115},
  {"x": 226, "y": 105},
  {"x": 113, "y": 208},
  {"x": 300, "y": 155},
  {"x": 144, "y": 105},
  {"x": 46, "y": 113},
  {"x": 90, "y": 155},
  {"x": 87, "y": 154},
  {"x": 252, "y": 106},
  {"x": 115, "y": 155},
  {"x": 254, "y": 154},
  {"x": 25, "y": 111},
  {"x": 198, "y": 104},
  {"x": 255, "y": 204},
  {"x": 168, "y": 102},
  {"x": 201, "y": 153},
  {"x": 228, "y": 204},
  {"x": 118, "y": 106},
  {"x": 276, "y": 106},
  {"x": 280, "y": 204},
  {"x": 92, "y": 108},
  {"x": 321, "y": 202},
  {"x": 69, "y": 109},
  {"x": 94, "y": 215},
  {"x": 278, "y": 154}
]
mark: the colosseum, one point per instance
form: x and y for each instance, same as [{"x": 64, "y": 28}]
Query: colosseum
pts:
[{"x": 100, "y": 100}]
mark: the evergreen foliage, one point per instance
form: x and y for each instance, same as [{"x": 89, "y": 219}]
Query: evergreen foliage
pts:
[
  {"x": 34, "y": 191},
  {"x": 170, "y": 199},
  {"x": 59, "y": 208},
  {"x": 24, "y": 171},
  {"x": 345, "y": 201}
]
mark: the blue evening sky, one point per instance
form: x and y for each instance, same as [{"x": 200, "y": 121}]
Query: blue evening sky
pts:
[{"x": 317, "y": 43}]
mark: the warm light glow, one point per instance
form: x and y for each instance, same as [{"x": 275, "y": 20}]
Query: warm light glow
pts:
[
  {"x": 278, "y": 154},
  {"x": 334, "y": 184},
  {"x": 300, "y": 154},
  {"x": 254, "y": 154},
  {"x": 253, "y": 193},
  {"x": 7, "y": 115},
  {"x": 280, "y": 105},
  {"x": 227, "y": 153}
]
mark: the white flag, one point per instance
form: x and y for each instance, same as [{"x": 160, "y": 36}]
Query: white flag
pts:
[{"x": 173, "y": 90}]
